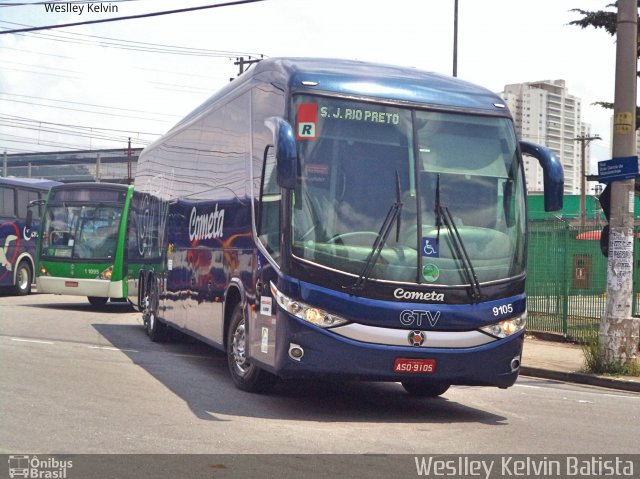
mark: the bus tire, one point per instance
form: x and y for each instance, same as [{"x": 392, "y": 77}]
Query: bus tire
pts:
[
  {"x": 157, "y": 330},
  {"x": 97, "y": 301},
  {"x": 424, "y": 389},
  {"x": 24, "y": 277},
  {"x": 246, "y": 376}
]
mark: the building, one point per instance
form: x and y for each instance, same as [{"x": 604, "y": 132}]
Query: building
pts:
[
  {"x": 544, "y": 112},
  {"x": 112, "y": 165}
]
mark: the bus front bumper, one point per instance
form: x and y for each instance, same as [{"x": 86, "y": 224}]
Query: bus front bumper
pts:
[
  {"x": 324, "y": 353},
  {"x": 101, "y": 288}
]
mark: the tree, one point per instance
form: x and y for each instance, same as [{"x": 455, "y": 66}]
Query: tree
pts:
[{"x": 606, "y": 20}]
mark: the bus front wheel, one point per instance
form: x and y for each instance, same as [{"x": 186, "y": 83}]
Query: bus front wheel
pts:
[
  {"x": 97, "y": 301},
  {"x": 424, "y": 389},
  {"x": 245, "y": 375},
  {"x": 24, "y": 277}
]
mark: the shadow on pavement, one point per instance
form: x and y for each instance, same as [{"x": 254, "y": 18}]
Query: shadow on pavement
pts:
[{"x": 198, "y": 375}]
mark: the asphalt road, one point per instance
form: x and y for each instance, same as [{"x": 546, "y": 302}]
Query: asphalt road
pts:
[{"x": 74, "y": 380}]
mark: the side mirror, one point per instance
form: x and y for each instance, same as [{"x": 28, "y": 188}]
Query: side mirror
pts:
[
  {"x": 285, "y": 149},
  {"x": 32, "y": 204},
  {"x": 29, "y": 220},
  {"x": 552, "y": 171}
]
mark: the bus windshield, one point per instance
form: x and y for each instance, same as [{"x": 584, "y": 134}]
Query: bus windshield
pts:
[
  {"x": 461, "y": 166},
  {"x": 81, "y": 231}
]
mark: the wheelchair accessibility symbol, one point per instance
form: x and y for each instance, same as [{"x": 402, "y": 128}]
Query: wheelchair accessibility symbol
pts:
[{"x": 430, "y": 247}]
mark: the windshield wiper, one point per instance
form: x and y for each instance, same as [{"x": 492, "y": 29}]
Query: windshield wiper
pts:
[
  {"x": 443, "y": 215},
  {"x": 393, "y": 215}
]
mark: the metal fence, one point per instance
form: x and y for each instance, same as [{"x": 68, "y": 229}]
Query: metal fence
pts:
[{"x": 567, "y": 279}]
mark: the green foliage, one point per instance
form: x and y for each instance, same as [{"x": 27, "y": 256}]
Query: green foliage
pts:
[
  {"x": 594, "y": 361},
  {"x": 607, "y": 20},
  {"x": 598, "y": 19}
]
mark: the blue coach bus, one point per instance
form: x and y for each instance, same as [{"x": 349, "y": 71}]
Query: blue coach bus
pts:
[
  {"x": 17, "y": 241},
  {"x": 343, "y": 219}
]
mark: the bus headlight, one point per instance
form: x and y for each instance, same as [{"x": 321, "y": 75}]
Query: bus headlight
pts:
[
  {"x": 106, "y": 274},
  {"x": 507, "y": 327},
  {"x": 308, "y": 313}
]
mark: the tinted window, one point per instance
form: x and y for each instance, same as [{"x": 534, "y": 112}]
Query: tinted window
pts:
[{"x": 7, "y": 204}]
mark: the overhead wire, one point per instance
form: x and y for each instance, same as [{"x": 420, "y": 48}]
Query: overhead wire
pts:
[
  {"x": 10, "y": 119},
  {"x": 131, "y": 45},
  {"x": 92, "y": 40},
  {"x": 132, "y": 110},
  {"x": 132, "y": 17}
]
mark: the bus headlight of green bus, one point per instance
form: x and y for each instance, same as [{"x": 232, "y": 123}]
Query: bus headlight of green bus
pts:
[
  {"x": 308, "y": 313},
  {"x": 106, "y": 274},
  {"x": 507, "y": 327}
]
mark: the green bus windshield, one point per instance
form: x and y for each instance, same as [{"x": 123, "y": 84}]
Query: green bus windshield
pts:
[{"x": 86, "y": 231}]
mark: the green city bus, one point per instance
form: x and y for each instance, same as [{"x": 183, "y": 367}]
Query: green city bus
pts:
[{"x": 82, "y": 249}]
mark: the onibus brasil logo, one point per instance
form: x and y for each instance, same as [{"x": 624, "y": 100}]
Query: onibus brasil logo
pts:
[{"x": 36, "y": 468}]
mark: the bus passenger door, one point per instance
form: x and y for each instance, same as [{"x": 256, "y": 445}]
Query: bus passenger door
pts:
[
  {"x": 263, "y": 322},
  {"x": 263, "y": 325}
]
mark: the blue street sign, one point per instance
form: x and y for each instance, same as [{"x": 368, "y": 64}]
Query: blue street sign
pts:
[{"x": 618, "y": 169}]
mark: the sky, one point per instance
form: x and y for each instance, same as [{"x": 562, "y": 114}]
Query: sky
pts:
[{"x": 95, "y": 82}]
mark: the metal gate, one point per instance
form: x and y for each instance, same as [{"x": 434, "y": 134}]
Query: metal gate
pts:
[{"x": 567, "y": 279}]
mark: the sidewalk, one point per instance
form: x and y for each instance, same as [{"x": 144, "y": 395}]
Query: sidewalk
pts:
[{"x": 564, "y": 361}]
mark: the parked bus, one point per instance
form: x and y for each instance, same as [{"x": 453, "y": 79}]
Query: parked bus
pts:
[
  {"x": 17, "y": 241},
  {"x": 82, "y": 249},
  {"x": 343, "y": 219}
]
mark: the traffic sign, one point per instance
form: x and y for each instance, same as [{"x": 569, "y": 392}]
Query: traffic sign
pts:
[{"x": 618, "y": 169}]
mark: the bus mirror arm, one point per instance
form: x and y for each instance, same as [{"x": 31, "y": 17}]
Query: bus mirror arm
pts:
[
  {"x": 552, "y": 172},
  {"x": 32, "y": 204},
  {"x": 285, "y": 149}
]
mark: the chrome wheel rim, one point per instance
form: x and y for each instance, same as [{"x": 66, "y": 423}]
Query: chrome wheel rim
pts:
[
  {"x": 22, "y": 278},
  {"x": 238, "y": 345}
]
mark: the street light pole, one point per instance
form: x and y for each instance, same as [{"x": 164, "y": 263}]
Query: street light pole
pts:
[{"x": 584, "y": 140}]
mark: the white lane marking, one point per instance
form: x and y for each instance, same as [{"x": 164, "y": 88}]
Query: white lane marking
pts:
[
  {"x": 583, "y": 391},
  {"x": 20, "y": 340},
  {"x": 111, "y": 348},
  {"x": 527, "y": 386}
]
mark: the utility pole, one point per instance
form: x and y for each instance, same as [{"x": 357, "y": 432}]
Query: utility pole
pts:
[
  {"x": 129, "y": 175},
  {"x": 241, "y": 62},
  {"x": 618, "y": 333},
  {"x": 98, "y": 173},
  {"x": 455, "y": 38},
  {"x": 584, "y": 140}
]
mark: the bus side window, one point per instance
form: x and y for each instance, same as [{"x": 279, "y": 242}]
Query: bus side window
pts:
[
  {"x": 269, "y": 203},
  {"x": 7, "y": 203}
]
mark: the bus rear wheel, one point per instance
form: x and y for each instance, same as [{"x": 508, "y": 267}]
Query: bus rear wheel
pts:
[
  {"x": 24, "y": 276},
  {"x": 245, "y": 375},
  {"x": 424, "y": 389},
  {"x": 156, "y": 329},
  {"x": 97, "y": 301}
]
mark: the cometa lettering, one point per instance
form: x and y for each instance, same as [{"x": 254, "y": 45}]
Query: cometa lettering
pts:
[
  {"x": 207, "y": 225},
  {"x": 400, "y": 293}
]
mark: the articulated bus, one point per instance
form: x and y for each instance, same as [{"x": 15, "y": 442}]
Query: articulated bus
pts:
[
  {"x": 82, "y": 249},
  {"x": 17, "y": 239},
  {"x": 343, "y": 219}
]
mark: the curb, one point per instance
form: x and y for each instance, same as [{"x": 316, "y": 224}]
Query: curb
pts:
[{"x": 582, "y": 378}]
